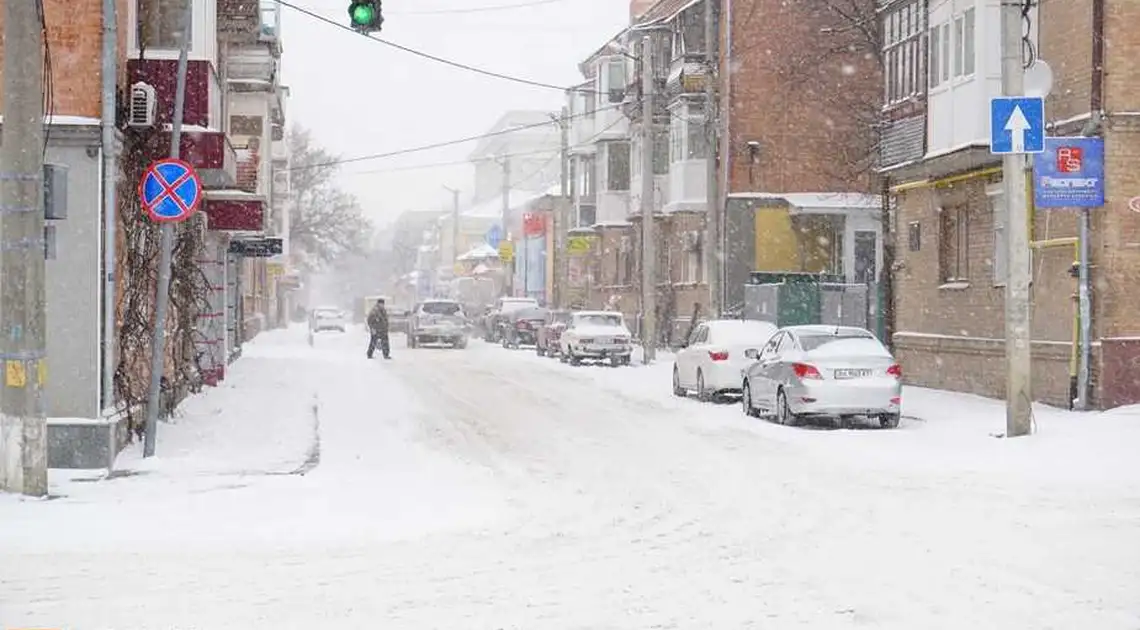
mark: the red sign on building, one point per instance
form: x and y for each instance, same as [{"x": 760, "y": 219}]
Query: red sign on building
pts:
[
  {"x": 534, "y": 224},
  {"x": 1069, "y": 159}
]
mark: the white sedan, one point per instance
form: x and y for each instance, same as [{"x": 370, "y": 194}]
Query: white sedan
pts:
[
  {"x": 596, "y": 336},
  {"x": 328, "y": 318},
  {"x": 713, "y": 358},
  {"x": 828, "y": 371}
]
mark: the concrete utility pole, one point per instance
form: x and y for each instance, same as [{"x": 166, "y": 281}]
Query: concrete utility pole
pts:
[
  {"x": 1018, "y": 333},
  {"x": 23, "y": 423},
  {"x": 561, "y": 219},
  {"x": 648, "y": 242},
  {"x": 454, "y": 224},
  {"x": 714, "y": 230},
  {"x": 509, "y": 268},
  {"x": 162, "y": 299}
]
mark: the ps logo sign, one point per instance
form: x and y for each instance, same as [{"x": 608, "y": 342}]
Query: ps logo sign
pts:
[{"x": 1069, "y": 159}]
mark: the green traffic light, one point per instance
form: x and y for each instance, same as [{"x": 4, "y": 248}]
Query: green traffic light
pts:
[{"x": 363, "y": 14}]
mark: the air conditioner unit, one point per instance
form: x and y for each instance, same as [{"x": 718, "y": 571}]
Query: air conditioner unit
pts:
[{"x": 144, "y": 104}]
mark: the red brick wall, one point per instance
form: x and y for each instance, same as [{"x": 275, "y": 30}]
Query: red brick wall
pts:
[
  {"x": 75, "y": 38},
  {"x": 807, "y": 105}
]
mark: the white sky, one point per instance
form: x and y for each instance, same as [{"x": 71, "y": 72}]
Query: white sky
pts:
[{"x": 360, "y": 97}]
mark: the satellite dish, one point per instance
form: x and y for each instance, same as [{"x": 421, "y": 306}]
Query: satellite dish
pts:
[{"x": 1038, "y": 79}]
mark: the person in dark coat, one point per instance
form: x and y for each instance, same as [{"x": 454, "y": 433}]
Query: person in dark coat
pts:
[{"x": 378, "y": 329}]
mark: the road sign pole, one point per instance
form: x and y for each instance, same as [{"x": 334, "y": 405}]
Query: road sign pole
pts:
[
  {"x": 1018, "y": 331},
  {"x": 162, "y": 299}
]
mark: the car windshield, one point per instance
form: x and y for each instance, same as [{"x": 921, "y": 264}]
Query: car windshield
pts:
[
  {"x": 328, "y": 312},
  {"x": 600, "y": 319},
  {"x": 843, "y": 344},
  {"x": 440, "y": 308}
]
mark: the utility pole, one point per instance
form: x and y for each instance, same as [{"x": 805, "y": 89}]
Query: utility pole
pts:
[
  {"x": 162, "y": 299},
  {"x": 1018, "y": 333},
  {"x": 648, "y": 244},
  {"x": 561, "y": 220},
  {"x": 454, "y": 224},
  {"x": 23, "y": 422},
  {"x": 508, "y": 269},
  {"x": 714, "y": 224}
]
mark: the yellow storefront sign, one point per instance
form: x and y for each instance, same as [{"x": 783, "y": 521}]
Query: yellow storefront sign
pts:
[
  {"x": 578, "y": 245},
  {"x": 506, "y": 251}
]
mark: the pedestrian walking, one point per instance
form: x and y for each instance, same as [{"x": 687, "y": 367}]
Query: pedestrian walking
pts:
[{"x": 378, "y": 330}]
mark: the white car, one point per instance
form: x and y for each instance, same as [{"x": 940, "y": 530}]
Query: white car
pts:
[
  {"x": 829, "y": 371},
  {"x": 711, "y": 362},
  {"x": 328, "y": 318},
  {"x": 596, "y": 336},
  {"x": 438, "y": 321}
]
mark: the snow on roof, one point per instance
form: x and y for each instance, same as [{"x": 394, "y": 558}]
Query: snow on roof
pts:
[
  {"x": 817, "y": 201},
  {"x": 518, "y": 199},
  {"x": 480, "y": 252}
]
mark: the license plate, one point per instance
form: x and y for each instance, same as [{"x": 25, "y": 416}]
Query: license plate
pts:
[
  {"x": 852, "y": 373},
  {"x": 603, "y": 341}
]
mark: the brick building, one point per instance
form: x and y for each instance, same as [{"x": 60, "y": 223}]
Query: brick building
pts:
[{"x": 943, "y": 61}]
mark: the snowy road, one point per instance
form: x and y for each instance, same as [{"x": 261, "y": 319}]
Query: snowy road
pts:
[{"x": 488, "y": 488}]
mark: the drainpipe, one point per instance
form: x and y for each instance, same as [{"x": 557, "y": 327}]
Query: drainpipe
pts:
[
  {"x": 110, "y": 208},
  {"x": 1096, "y": 109}
]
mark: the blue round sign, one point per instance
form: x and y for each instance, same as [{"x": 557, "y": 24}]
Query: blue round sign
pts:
[{"x": 170, "y": 190}]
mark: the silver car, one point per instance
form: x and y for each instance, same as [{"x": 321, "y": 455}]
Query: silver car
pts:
[
  {"x": 438, "y": 321},
  {"x": 828, "y": 371}
]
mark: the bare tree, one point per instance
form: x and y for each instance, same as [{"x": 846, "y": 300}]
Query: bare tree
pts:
[{"x": 326, "y": 222}]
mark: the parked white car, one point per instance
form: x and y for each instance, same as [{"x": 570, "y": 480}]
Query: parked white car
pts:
[
  {"x": 596, "y": 336},
  {"x": 328, "y": 318},
  {"x": 829, "y": 371},
  {"x": 712, "y": 360}
]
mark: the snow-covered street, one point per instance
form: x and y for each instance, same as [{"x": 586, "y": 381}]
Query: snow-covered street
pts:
[{"x": 489, "y": 488}]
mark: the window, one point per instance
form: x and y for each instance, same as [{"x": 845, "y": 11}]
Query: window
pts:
[
  {"x": 160, "y": 23},
  {"x": 687, "y": 134},
  {"x": 691, "y": 257},
  {"x": 617, "y": 166},
  {"x": 914, "y": 236},
  {"x": 1001, "y": 246},
  {"x": 902, "y": 46},
  {"x": 954, "y": 244},
  {"x": 968, "y": 43},
  {"x": 676, "y": 136},
  {"x": 624, "y": 261},
  {"x": 946, "y": 51},
  {"x": 692, "y": 27},
  {"x": 959, "y": 44},
  {"x": 935, "y": 56},
  {"x": 661, "y": 152},
  {"x": 615, "y": 80},
  {"x": 589, "y": 178}
]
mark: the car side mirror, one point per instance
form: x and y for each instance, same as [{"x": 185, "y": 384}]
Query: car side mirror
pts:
[{"x": 752, "y": 353}]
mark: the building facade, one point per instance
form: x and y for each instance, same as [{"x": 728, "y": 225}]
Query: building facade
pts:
[{"x": 949, "y": 221}]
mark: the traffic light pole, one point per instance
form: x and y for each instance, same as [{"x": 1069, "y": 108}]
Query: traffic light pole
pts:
[
  {"x": 23, "y": 422},
  {"x": 162, "y": 299}
]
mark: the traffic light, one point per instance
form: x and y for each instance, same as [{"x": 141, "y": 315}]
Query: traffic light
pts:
[{"x": 365, "y": 15}]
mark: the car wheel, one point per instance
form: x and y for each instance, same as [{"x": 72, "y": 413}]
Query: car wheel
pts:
[
  {"x": 574, "y": 359},
  {"x": 677, "y": 389},
  {"x": 746, "y": 401},
  {"x": 889, "y": 420},
  {"x": 703, "y": 394},
  {"x": 784, "y": 413},
  {"x": 539, "y": 351}
]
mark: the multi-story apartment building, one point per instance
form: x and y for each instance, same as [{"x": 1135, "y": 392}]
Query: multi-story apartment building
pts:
[
  {"x": 794, "y": 122},
  {"x": 943, "y": 65}
]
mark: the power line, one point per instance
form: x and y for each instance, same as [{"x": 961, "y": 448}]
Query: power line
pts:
[
  {"x": 446, "y": 143},
  {"x": 494, "y": 7},
  {"x": 418, "y": 167},
  {"x": 441, "y": 60}
]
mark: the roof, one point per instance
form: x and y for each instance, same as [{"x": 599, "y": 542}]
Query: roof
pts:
[
  {"x": 539, "y": 123},
  {"x": 586, "y": 65},
  {"x": 819, "y": 201},
  {"x": 823, "y": 329},
  {"x": 665, "y": 11},
  {"x": 518, "y": 199}
]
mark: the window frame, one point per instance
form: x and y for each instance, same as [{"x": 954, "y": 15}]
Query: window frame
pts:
[
  {"x": 995, "y": 197},
  {"x": 165, "y": 14},
  {"x": 621, "y": 184},
  {"x": 954, "y": 266},
  {"x": 903, "y": 53}
]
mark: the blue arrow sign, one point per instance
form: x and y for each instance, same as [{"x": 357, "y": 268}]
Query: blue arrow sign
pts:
[
  {"x": 1017, "y": 125},
  {"x": 494, "y": 236},
  {"x": 170, "y": 190}
]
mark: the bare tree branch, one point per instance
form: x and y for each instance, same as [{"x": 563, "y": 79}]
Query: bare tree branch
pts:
[{"x": 325, "y": 222}]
